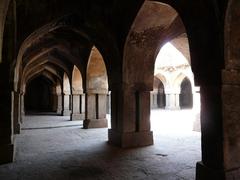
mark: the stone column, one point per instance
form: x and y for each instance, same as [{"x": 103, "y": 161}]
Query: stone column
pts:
[
  {"x": 196, "y": 109},
  {"x": 77, "y": 102},
  {"x": 167, "y": 101},
  {"x": 6, "y": 119},
  {"x": 211, "y": 166},
  {"x": 66, "y": 105},
  {"x": 22, "y": 108},
  {"x": 177, "y": 104},
  {"x": 59, "y": 104},
  {"x": 154, "y": 97},
  {"x": 96, "y": 111},
  {"x": 130, "y": 120},
  {"x": 16, "y": 111},
  {"x": 55, "y": 100},
  {"x": 231, "y": 123},
  {"x": 108, "y": 103},
  {"x": 170, "y": 101}
]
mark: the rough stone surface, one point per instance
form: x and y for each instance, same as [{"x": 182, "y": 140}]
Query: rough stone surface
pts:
[{"x": 46, "y": 150}]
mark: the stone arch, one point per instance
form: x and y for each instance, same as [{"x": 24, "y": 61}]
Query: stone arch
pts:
[
  {"x": 77, "y": 84},
  {"x": 66, "y": 95},
  {"x": 78, "y": 98},
  {"x": 97, "y": 78},
  {"x": 89, "y": 34},
  {"x": 182, "y": 45},
  {"x": 96, "y": 91},
  {"x": 35, "y": 71},
  {"x": 162, "y": 78},
  {"x": 66, "y": 84},
  {"x": 146, "y": 38},
  {"x": 179, "y": 78},
  {"x": 59, "y": 88}
]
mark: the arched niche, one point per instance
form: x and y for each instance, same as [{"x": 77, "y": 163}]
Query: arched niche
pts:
[
  {"x": 77, "y": 86},
  {"x": 97, "y": 79},
  {"x": 186, "y": 95},
  {"x": 38, "y": 96}
]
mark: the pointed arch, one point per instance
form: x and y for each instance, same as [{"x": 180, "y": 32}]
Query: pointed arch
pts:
[
  {"x": 97, "y": 78},
  {"x": 77, "y": 84},
  {"x": 66, "y": 84}
]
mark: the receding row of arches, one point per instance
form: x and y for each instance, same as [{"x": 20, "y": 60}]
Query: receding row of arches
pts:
[
  {"x": 43, "y": 55},
  {"x": 184, "y": 99},
  {"x": 48, "y": 90}
]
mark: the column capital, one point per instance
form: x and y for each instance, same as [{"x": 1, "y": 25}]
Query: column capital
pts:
[
  {"x": 97, "y": 91},
  {"x": 77, "y": 92}
]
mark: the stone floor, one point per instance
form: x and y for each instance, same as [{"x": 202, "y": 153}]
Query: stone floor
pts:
[{"x": 54, "y": 148}]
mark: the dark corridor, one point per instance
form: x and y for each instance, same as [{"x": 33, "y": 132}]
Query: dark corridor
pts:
[{"x": 39, "y": 96}]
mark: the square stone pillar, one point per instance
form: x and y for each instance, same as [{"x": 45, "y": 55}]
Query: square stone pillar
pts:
[
  {"x": 6, "y": 116},
  {"x": 16, "y": 112},
  {"x": 66, "y": 105},
  {"x": 177, "y": 104},
  {"x": 211, "y": 167},
  {"x": 59, "y": 104},
  {"x": 231, "y": 123},
  {"x": 95, "y": 111},
  {"x": 153, "y": 99},
  {"x": 55, "y": 102},
  {"x": 130, "y": 119},
  {"x": 170, "y": 101},
  {"x": 22, "y": 104},
  {"x": 77, "y": 102}
]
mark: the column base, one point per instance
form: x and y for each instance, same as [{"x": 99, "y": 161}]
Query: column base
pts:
[
  {"x": 17, "y": 128},
  {"x": 77, "y": 117},
  {"x": 66, "y": 113},
  {"x": 131, "y": 139},
  {"x": 95, "y": 123},
  {"x": 6, "y": 153},
  {"x": 233, "y": 174},
  {"x": 205, "y": 173},
  {"x": 172, "y": 108},
  {"x": 59, "y": 111}
]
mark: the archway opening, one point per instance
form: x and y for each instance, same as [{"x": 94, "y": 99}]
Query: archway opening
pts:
[
  {"x": 186, "y": 96},
  {"x": 177, "y": 80},
  {"x": 39, "y": 95},
  {"x": 158, "y": 48},
  {"x": 96, "y": 92}
]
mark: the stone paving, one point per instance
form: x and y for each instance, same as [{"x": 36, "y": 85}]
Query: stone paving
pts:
[{"x": 54, "y": 148}]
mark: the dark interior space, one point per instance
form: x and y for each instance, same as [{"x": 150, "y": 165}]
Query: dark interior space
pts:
[
  {"x": 39, "y": 97},
  {"x": 161, "y": 98},
  {"x": 186, "y": 96}
]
